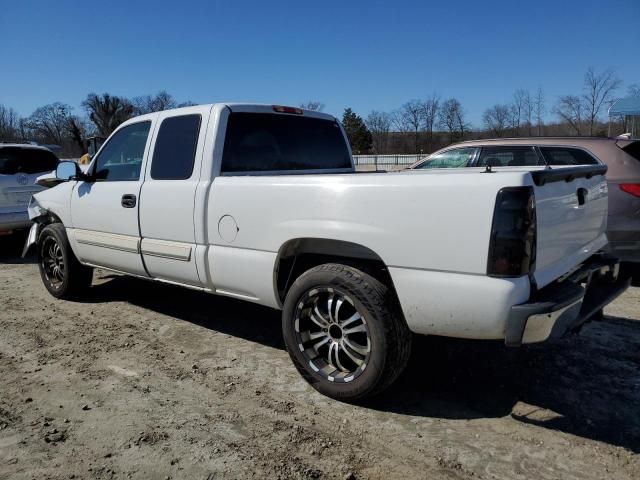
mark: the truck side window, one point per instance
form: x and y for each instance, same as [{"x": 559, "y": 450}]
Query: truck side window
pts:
[
  {"x": 175, "y": 150},
  {"x": 567, "y": 156},
  {"x": 121, "y": 158},
  {"x": 509, "y": 156}
]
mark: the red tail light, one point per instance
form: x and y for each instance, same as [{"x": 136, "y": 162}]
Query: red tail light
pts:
[
  {"x": 283, "y": 109},
  {"x": 631, "y": 188},
  {"x": 512, "y": 249}
]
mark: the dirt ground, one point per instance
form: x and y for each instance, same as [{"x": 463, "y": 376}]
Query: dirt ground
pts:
[{"x": 150, "y": 381}]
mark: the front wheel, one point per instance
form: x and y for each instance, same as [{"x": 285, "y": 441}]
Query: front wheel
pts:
[
  {"x": 62, "y": 274},
  {"x": 345, "y": 332}
]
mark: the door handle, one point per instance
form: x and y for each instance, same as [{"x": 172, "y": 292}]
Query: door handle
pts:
[
  {"x": 582, "y": 196},
  {"x": 128, "y": 200}
]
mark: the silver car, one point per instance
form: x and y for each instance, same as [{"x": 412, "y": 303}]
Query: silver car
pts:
[
  {"x": 620, "y": 154},
  {"x": 20, "y": 166}
]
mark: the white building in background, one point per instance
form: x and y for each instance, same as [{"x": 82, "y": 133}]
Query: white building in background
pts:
[{"x": 629, "y": 110}]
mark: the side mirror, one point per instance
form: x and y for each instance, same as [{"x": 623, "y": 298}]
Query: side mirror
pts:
[{"x": 67, "y": 171}]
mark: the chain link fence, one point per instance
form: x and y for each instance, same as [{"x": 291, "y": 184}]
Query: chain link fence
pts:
[{"x": 385, "y": 162}]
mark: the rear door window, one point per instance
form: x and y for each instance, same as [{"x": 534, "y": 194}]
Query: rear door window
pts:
[
  {"x": 509, "y": 156},
  {"x": 567, "y": 156},
  {"x": 26, "y": 160},
  {"x": 455, "y": 158},
  {"x": 261, "y": 142},
  {"x": 175, "y": 150}
]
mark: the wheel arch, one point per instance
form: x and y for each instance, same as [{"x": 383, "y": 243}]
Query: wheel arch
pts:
[
  {"x": 298, "y": 255},
  {"x": 46, "y": 218}
]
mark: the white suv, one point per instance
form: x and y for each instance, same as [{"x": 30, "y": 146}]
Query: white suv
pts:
[{"x": 20, "y": 166}]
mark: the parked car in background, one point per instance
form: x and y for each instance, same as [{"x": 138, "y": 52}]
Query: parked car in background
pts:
[
  {"x": 620, "y": 154},
  {"x": 20, "y": 166}
]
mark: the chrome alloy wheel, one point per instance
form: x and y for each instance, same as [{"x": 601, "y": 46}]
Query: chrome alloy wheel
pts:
[
  {"x": 52, "y": 262},
  {"x": 332, "y": 334}
]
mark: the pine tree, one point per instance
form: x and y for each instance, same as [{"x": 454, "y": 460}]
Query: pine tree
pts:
[{"x": 357, "y": 132}]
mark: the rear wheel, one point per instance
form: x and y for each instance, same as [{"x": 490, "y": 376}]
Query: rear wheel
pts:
[
  {"x": 345, "y": 332},
  {"x": 62, "y": 274}
]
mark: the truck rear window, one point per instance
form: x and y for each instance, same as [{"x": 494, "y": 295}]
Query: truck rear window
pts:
[
  {"x": 262, "y": 142},
  {"x": 26, "y": 160}
]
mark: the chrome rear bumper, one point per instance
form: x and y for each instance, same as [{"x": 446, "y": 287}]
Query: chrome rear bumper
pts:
[{"x": 566, "y": 305}]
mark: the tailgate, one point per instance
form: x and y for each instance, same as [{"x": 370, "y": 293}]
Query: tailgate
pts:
[{"x": 571, "y": 210}]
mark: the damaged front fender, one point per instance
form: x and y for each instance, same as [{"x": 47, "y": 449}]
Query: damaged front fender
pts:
[
  {"x": 35, "y": 210},
  {"x": 40, "y": 217},
  {"x": 31, "y": 239}
]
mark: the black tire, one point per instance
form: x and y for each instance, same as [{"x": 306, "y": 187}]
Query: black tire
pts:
[
  {"x": 631, "y": 269},
  {"x": 63, "y": 276},
  {"x": 388, "y": 337}
]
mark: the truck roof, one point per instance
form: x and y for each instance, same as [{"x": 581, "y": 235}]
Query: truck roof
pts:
[{"x": 236, "y": 107}]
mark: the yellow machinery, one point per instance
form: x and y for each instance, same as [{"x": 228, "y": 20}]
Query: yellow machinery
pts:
[{"x": 93, "y": 144}]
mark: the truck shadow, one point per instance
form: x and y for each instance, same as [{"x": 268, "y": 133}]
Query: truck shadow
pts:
[
  {"x": 586, "y": 385},
  {"x": 11, "y": 249},
  {"x": 223, "y": 314}
]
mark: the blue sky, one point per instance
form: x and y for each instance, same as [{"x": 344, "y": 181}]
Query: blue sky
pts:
[{"x": 363, "y": 54}]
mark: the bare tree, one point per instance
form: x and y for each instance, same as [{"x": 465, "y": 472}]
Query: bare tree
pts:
[
  {"x": 23, "y": 129},
  {"x": 410, "y": 119},
  {"x": 463, "y": 125},
  {"x": 55, "y": 123},
  {"x": 498, "y": 119},
  {"x": 77, "y": 128},
  {"x": 513, "y": 120},
  {"x": 634, "y": 90},
  {"x": 379, "y": 124},
  {"x": 106, "y": 112},
  {"x": 570, "y": 109},
  {"x": 447, "y": 119},
  {"x": 9, "y": 124},
  {"x": 528, "y": 112},
  {"x": 430, "y": 112},
  {"x": 518, "y": 109},
  {"x": 313, "y": 105},
  {"x": 49, "y": 123},
  {"x": 599, "y": 90},
  {"x": 142, "y": 104},
  {"x": 156, "y": 103},
  {"x": 452, "y": 119},
  {"x": 539, "y": 109}
]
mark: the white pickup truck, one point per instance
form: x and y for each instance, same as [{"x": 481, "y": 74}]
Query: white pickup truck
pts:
[{"x": 262, "y": 203}]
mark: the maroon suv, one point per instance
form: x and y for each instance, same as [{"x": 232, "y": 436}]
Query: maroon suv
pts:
[{"x": 621, "y": 154}]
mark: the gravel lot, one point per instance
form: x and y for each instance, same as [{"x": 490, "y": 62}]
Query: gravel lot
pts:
[{"x": 152, "y": 381}]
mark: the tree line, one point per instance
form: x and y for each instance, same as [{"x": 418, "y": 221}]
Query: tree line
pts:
[
  {"x": 58, "y": 124},
  {"x": 419, "y": 126}
]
